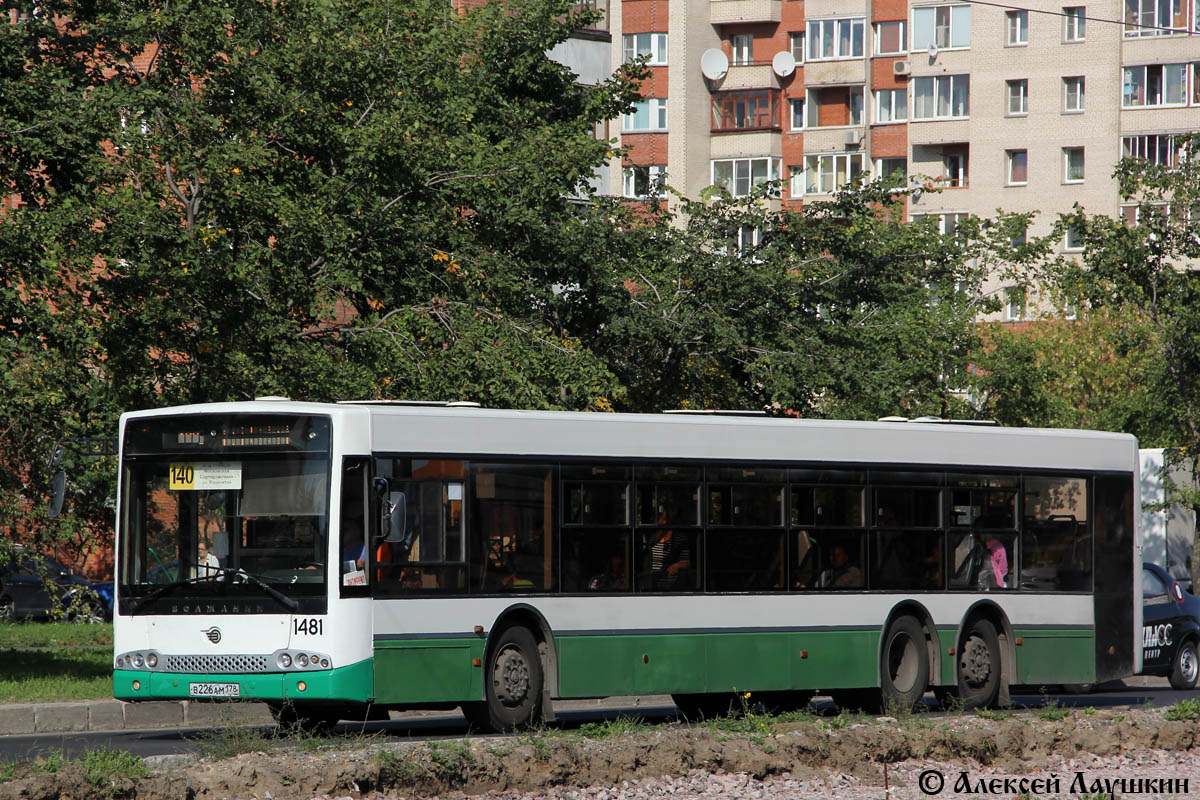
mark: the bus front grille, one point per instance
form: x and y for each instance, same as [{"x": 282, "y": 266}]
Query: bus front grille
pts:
[{"x": 233, "y": 663}]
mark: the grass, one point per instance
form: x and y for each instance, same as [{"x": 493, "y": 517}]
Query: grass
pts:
[
  {"x": 1184, "y": 710},
  {"x": 54, "y": 634},
  {"x": 64, "y": 673},
  {"x": 609, "y": 729}
]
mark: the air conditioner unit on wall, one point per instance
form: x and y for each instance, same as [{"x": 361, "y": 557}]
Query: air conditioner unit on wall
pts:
[
  {"x": 901, "y": 67},
  {"x": 854, "y": 138}
]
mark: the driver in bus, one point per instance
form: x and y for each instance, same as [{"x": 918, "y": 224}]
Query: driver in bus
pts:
[{"x": 354, "y": 546}]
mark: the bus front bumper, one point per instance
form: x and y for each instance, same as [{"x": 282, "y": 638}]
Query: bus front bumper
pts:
[{"x": 354, "y": 683}]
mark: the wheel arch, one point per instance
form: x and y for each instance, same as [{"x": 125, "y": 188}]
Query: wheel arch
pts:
[
  {"x": 912, "y": 608},
  {"x": 989, "y": 610},
  {"x": 526, "y": 616}
]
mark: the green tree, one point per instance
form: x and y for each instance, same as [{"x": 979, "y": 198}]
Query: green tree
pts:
[
  {"x": 321, "y": 198},
  {"x": 1145, "y": 272}
]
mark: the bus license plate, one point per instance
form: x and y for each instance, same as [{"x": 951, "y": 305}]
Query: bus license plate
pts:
[{"x": 215, "y": 690}]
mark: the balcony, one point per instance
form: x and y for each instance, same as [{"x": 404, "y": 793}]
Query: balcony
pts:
[
  {"x": 746, "y": 111},
  {"x": 750, "y": 76},
  {"x": 731, "y": 12}
]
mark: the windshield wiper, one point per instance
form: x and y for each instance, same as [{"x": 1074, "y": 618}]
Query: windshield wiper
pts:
[{"x": 284, "y": 600}]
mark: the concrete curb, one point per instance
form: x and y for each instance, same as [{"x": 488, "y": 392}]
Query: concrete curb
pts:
[{"x": 115, "y": 715}]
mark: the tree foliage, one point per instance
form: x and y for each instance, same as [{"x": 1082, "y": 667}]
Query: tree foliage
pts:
[{"x": 327, "y": 199}]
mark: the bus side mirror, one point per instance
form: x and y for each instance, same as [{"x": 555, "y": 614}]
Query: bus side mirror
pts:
[
  {"x": 58, "y": 491},
  {"x": 395, "y": 517}
]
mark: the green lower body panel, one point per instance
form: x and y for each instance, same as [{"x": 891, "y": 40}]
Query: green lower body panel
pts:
[
  {"x": 591, "y": 666},
  {"x": 353, "y": 684},
  {"x": 1059, "y": 656},
  {"x": 428, "y": 671}
]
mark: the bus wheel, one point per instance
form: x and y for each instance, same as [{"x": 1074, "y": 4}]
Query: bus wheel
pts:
[
  {"x": 904, "y": 669},
  {"x": 979, "y": 666},
  {"x": 1187, "y": 667},
  {"x": 513, "y": 684}
]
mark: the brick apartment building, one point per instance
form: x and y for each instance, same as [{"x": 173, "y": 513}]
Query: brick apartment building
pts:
[{"x": 1023, "y": 108}]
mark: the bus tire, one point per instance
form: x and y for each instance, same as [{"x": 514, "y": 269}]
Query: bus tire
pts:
[
  {"x": 903, "y": 666},
  {"x": 1186, "y": 668},
  {"x": 512, "y": 684},
  {"x": 979, "y": 665}
]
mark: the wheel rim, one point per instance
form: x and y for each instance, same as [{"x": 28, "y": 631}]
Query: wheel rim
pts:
[
  {"x": 975, "y": 666},
  {"x": 510, "y": 678},
  {"x": 903, "y": 660},
  {"x": 1188, "y": 664}
]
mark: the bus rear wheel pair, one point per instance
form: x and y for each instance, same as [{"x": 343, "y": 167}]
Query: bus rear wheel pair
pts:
[
  {"x": 904, "y": 670},
  {"x": 513, "y": 683}
]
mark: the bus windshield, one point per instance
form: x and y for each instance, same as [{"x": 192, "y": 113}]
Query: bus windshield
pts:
[{"x": 233, "y": 530}]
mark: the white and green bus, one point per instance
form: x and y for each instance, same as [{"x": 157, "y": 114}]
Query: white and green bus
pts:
[{"x": 337, "y": 561}]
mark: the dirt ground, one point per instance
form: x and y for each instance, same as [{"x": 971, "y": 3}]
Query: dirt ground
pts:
[{"x": 856, "y": 747}]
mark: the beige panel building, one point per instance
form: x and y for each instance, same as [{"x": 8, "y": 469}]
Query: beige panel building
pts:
[{"x": 1024, "y": 108}]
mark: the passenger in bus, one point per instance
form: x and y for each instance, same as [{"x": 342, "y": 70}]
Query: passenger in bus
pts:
[
  {"x": 841, "y": 573},
  {"x": 670, "y": 558},
  {"x": 994, "y": 574},
  {"x": 615, "y": 578}
]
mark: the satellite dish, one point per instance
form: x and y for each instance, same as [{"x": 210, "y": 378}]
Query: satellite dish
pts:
[
  {"x": 714, "y": 64},
  {"x": 784, "y": 63},
  {"x": 933, "y": 51}
]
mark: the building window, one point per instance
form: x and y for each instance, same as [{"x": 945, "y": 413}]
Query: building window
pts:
[
  {"x": 742, "y": 47},
  {"x": 941, "y": 27},
  {"x": 835, "y": 38},
  {"x": 1073, "y": 164},
  {"x": 1154, "y": 85},
  {"x": 741, "y": 176},
  {"x": 941, "y": 97},
  {"x": 651, "y": 45},
  {"x": 797, "y": 42},
  {"x": 1018, "y": 97},
  {"x": 647, "y": 115},
  {"x": 797, "y": 106},
  {"x": 1017, "y": 167},
  {"x": 1155, "y": 17},
  {"x": 834, "y": 106},
  {"x": 954, "y": 170},
  {"x": 1072, "y": 241},
  {"x": 890, "y": 38},
  {"x": 1014, "y": 308},
  {"x": 826, "y": 173},
  {"x": 891, "y": 105},
  {"x": 1159, "y": 149},
  {"x": 891, "y": 168},
  {"x": 1075, "y": 18},
  {"x": 1017, "y": 24},
  {"x": 1073, "y": 94},
  {"x": 946, "y": 223},
  {"x": 642, "y": 181},
  {"x": 732, "y": 111}
]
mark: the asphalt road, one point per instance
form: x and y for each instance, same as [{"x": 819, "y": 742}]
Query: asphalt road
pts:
[{"x": 426, "y": 725}]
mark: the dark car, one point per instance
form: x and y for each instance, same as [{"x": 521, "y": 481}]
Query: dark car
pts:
[
  {"x": 29, "y": 584},
  {"x": 1170, "y": 628}
]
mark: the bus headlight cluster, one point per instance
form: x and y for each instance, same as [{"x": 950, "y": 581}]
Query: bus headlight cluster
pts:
[
  {"x": 301, "y": 660},
  {"x": 141, "y": 659}
]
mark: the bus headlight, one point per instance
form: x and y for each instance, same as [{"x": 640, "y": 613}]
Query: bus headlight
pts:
[
  {"x": 302, "y": 660},
  {"x": 152, "y": 660},
  {"x": 138, "y": 661},
  {"x": 285, "y": 660}
]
